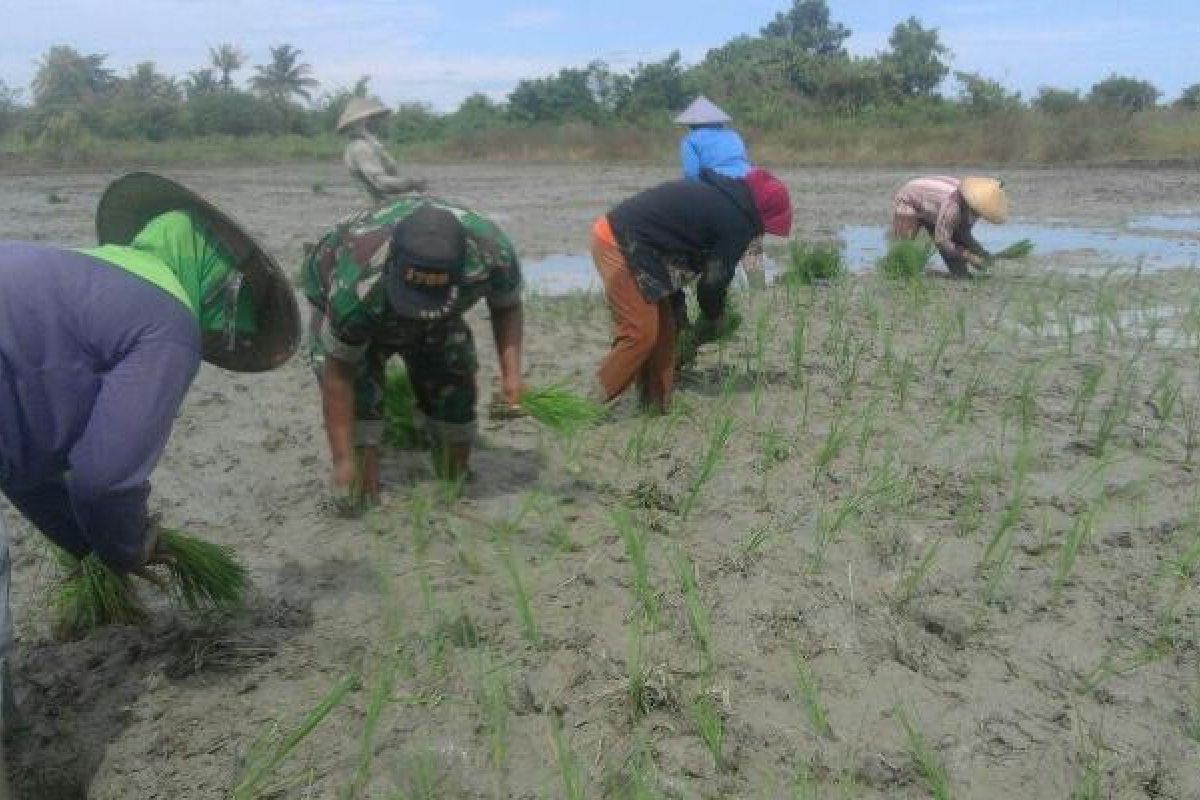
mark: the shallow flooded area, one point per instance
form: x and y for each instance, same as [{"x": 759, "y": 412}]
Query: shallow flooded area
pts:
[{"x": 885, "y": 525}]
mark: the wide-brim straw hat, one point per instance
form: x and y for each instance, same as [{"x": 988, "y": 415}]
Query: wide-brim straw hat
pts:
[
  {"x": 702, "y": 111},
  {"x": 131, "y": 201},
  {"x": 986, "y": 197},
  {"x": 359, "y": 109}
]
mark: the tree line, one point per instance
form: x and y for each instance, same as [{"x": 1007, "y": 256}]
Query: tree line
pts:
[{"x": 797, "y": 65}]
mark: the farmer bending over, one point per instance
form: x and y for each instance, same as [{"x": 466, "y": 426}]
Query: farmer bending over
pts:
[
  {"x": 98, "y": 348},
  {"x": 653, "y": 244},
  {"x": 947, "y": 209},
  {"x": 366, "y": 158},
  {"x": 397, "y": 281}
]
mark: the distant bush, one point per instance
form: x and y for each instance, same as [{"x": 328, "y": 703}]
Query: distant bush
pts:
[{"x": 906, "y": 259}]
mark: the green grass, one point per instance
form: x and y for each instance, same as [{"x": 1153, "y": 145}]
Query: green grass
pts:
[
  {"x": 714, "y": 451},
  {"x": 574, "y": 781},
  {"x": 813, "y": 263},
  {"x": 809, "y": 691},
  {"x": 905, "y": 259},
  {"x": 633, "y": 535},
  {"x": 685, "y": 575}
]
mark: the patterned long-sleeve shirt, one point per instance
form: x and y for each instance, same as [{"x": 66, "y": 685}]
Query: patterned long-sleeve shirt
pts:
[
  {"x": 939, "y": 205},
  {"x": 374, "y": 168}
]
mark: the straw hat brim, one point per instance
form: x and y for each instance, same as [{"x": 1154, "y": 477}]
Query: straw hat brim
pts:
[
  {"x": 987, "y": 198},
  {"x": 353, "y": 115},
  {"x": 131, "y": 201}
]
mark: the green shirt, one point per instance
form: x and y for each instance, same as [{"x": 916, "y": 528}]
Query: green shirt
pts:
[{"x": 341, "y": 276}]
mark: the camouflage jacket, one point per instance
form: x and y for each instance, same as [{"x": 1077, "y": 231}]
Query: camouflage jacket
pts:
[{"x": 341, "y": 276}]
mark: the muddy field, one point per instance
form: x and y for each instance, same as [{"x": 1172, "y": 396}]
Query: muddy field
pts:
[{"x": 893, "y": 541}]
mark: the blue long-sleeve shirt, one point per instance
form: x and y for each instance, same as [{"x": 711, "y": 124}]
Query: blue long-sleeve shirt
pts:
[
  {"x": 94, "y": 364},
  {"x": 717, "y": 148}
]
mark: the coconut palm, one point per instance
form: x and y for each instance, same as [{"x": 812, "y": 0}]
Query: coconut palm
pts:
[
  {"x": 201, "y": 82},
  {"x": 285, "y": 76},
  {"x": 66, "y": 76},
  {"x": 227, "y": 59}
]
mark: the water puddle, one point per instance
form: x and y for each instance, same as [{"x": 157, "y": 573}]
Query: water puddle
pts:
[
  {"x": 1181, "y": 222},
  {"x": 564, "y": 273},
  {"x": 864, "y": 244},
  {"x": 561, "y": 274}
]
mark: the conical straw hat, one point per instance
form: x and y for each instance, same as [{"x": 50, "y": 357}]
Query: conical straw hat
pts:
[
  {"x": 360, "y": 108},
  {"x": 133, "y": 200},
  {"x": 703, "y": 111},
  {"x": 986, "y": 198}
]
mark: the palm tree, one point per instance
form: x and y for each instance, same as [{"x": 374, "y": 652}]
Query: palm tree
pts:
[
  {"x": 284, "y": 76},
  {"x": 66, "y": 76},
  {"x": 201, "y": 82},
  {"x": 227, "y": 59}
]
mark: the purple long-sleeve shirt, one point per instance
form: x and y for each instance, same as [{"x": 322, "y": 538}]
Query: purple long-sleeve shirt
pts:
[{"x": 94, "y": 363}]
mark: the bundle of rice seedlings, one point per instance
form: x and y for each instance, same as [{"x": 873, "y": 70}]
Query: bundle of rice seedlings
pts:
[
  {"x": 687, "y": 344},
  {"x": 1021, "y": 249},
  {"x": 91, "y": 596},
  {"x": 203, "y": 575},
  {"x": 905, "y": 259},
  {"x": 399, "y": 403},
  {"x": 561, "y": 411},
  {"x": 812, "y": 263}
]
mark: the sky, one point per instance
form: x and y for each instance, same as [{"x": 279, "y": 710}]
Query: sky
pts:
[{"x": 440, "y": 52}]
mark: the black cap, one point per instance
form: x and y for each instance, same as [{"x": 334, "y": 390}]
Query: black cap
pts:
[{"x": 425, "y": 263}]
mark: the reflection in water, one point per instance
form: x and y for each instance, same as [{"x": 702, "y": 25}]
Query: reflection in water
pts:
[{"x": 1171, "y": 223}]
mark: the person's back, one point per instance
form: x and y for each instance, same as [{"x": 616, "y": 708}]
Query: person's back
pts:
[{"x": 714, "y": 147}]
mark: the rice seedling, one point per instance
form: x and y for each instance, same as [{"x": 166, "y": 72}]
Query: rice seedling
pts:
[
  {"x": 836, "y": 438},
  {"x": 1189, "y": 412},
  {"x": 1116, "y": 411},
  {"x": 905, "y": 259},
  {"x": 560, "y": 410},
  {"x": 521, "y": 602},
  {"x": 1124, "y": 660},
  {"x": 1191, "y": 727},
  {"x": 1165, "y": 398},
  {"x": 691, "y": 338},
  {"x": 274, "y": 746},
  {"x": 685, "y": 575},
  {"x": 569, "y": 770},
  {"x": 968, "y": 515},
  {"x": 422, "y": 777},
  {"x": 960, "y": 405},
  {"x": 910, "y": 580},
  {"x": 714, "y": 451},
  {"x": 1089, "y": 786},
  {"x": 809, "y": 264},
  {"x": 491, "y": 693},
  {"x": 753, "y": 544},
  {"x": 381, "y": 694},
  {"x": 92, "y": 595},
  {"x": 1015, "y": 251},
  {"x": 1025, "y": 400},
  {"x": 711, "y": 728},
  {"x": 1085, "y": 393},
  {"x": 904, "y": 374},
  {"x": 804, "y": 785},
  {"x": 203, "y": 575},
  {"x": 1080, "y": 533},
  {"x": 945, "y": 331},
  {"x": 799, "y": 345},
  {"x": 925, "y": 759},
  {"x": 810, "y": 696},
  {"x": 400, "y": 429},
  {"x": 635, "y": 550}
]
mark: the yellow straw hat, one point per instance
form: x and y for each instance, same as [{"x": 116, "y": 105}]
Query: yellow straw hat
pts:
[
  {"x": 360, "y": 108},
  {"x": 986, "y": 198}
]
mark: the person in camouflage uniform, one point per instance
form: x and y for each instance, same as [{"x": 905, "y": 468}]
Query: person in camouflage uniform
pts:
[{"x": 397, "y": 280}]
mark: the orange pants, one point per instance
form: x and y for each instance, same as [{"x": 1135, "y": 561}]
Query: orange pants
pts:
[{"x": 643, "y": 333}]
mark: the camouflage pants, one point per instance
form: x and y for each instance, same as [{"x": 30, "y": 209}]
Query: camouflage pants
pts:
[{"x": 441, "y": 364}]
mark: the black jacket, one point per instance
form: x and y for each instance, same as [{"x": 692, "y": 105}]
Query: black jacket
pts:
[{"x": 703, "y": 228}]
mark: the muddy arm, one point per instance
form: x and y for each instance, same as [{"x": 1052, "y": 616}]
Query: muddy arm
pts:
[{"x": 508, "y": 328}]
